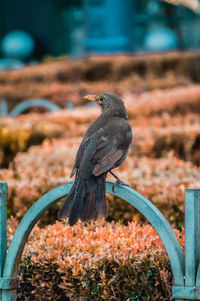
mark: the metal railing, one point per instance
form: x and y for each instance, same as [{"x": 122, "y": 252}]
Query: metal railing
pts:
[
  {"x": 185, "y": 268},
  {"x": 27, "y": 104}
]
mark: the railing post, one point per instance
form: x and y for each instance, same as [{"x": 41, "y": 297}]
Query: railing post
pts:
[
  {"x": 3, "y": 227},
  {"x": 192, "y": 235},
  {"x": 3, "y": 108},
  {"x": 191, "y": 291}
]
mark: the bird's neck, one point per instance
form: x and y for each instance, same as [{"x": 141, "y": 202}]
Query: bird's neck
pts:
[{"x": 116, "y": 112}]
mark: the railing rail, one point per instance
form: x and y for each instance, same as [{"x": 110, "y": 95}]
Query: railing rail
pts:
[
  {"x": 26, "y": 104},
  {"x": 186, "y": 269}
]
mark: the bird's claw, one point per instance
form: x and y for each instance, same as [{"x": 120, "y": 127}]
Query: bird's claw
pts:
[
  {"x": 114, "y": 185},
  {"x": 118, "y": 182}
]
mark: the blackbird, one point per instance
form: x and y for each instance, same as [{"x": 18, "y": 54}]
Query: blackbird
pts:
[{"x": 104, "y": 147}]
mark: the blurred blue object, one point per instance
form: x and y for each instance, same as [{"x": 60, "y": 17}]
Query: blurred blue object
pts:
[
  {"x": 37, "y": 102},
  {"x": 160, "y": 39},
  {"x": 18, "y": 44},
  {"x": 9, "y": 63},
  {"x": 109, "y": 25},
  {"x": 69, "y": 105},
  {"x": 3, "y": 108},
  {"x": 77, "y": 32}
]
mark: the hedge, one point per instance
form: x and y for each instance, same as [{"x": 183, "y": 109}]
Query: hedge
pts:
[
  {"x": 44, "y": 167},
  {"x": 18, "y": 137},
  {"x": 156, "y": 118},
  {"x": 67, "y": 80},
  {"x": 96, "y": 261}
]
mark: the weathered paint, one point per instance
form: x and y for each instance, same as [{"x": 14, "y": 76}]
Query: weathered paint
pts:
[
  {"x": 186, "y": 293},
  {"x": 9, "y": 283}
]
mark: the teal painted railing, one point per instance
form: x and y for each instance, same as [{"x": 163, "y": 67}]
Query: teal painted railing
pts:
[
  {"x": 27, "y": 104},
  {"x": 185, "y": 268},
  {"x": 38, "y": 102}
]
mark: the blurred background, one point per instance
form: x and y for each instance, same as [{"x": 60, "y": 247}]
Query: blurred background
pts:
[{"x": 31, "y": 30}]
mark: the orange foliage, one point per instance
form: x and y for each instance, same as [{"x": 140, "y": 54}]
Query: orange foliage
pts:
[
  {"x": 67, "y": 80},
  {"x": 44, "y": 167},
  {"x": 120, "y": 260}
]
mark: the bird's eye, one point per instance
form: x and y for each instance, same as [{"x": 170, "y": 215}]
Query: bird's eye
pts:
[{"x": 101, "y": 98}]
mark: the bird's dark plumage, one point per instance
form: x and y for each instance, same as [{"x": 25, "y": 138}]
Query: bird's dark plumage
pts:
[{"x": 104, "y": 147}]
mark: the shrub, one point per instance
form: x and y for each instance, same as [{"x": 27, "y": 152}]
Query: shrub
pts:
[
  {"x": 99, "y": 261},
  {"x": 153, "y": 136},
  {"x": 66, "y": 80},
  {"x": 156, "y": 136},
  {"x": 44, "y": 167},
  {"x": 156, "y": 118},
  {"x": 16, "y": 137}
]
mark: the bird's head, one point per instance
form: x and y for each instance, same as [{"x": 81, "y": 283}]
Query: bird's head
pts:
[{"x": 109, "y": 102}]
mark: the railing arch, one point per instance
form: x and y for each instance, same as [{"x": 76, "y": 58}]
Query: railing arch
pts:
[
  {"x": 8, "y": 280},
  {"x": 38, "y": 102}
]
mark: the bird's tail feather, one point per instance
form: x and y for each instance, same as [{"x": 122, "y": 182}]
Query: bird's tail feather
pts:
[
  {"x": 89, "y": 212},
  {"x": 66, "y": 207},
  {"x": 101, "y": 204},
  {"x": 86, "y": 200}
]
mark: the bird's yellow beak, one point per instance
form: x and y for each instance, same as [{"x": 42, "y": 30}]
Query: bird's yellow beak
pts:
[{"x": 90, "y": 97}]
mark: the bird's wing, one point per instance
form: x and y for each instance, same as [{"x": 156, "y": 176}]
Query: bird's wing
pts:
[
  {"x": 106, "y": 153},
  {"x": 78, "y": 157},
  {"x": 86, "y": 140},
  {"x": 111, "y": 147},
  {"x": 107, "y": 162},
  {"x": 100, "y": 151}
]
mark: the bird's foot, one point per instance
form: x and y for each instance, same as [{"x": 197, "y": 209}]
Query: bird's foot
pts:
[{"x": 118, "y": 182}]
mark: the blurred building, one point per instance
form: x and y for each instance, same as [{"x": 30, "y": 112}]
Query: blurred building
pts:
[{"x": 76, "y": 27}]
